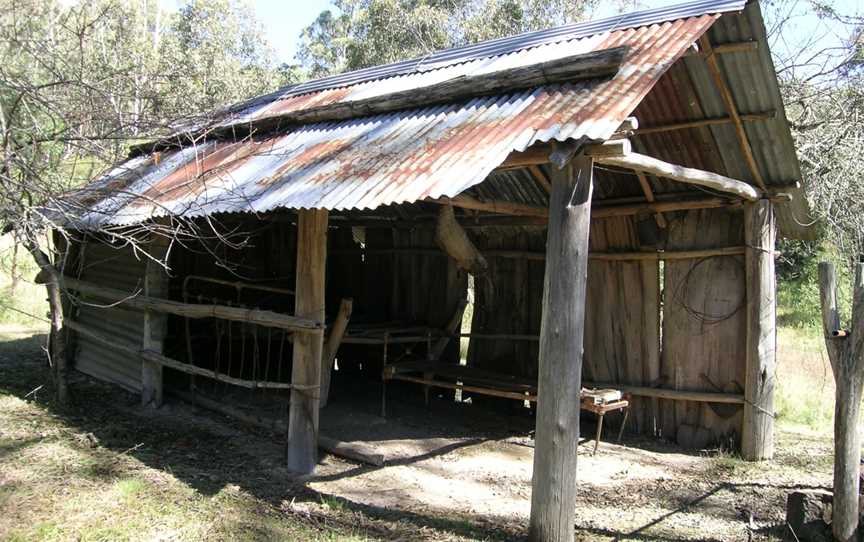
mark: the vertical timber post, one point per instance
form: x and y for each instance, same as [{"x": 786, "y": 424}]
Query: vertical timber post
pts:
[
  {"x": 760, "y": 232},
  {"x": 553, "y": 488},
  {"x": 155, "y": 323},
  {"x": 306, "y": 370}
]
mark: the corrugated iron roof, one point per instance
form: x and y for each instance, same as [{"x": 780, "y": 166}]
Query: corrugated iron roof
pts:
[
  {"x": 505, "y": 46},
  {"x": 398, "y": 157}
]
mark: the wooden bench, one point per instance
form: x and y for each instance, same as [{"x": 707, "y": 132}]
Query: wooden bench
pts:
[{"x": 474, "y": 380}]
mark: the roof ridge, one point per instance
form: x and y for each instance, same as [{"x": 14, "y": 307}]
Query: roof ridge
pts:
[{"x": 506, "y": 45}]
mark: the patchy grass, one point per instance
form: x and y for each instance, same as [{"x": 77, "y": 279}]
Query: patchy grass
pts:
[
  {"x": 103, "y": 469},
  {"x": 805, "y": 384}
]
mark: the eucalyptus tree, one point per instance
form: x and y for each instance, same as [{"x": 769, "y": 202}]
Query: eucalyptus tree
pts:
[
  {"x": 356, "y": 34},
  {"x": 82, "y": 81}
]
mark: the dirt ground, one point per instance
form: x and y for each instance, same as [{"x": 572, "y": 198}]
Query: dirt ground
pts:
[{"x": 454, "y": 472}]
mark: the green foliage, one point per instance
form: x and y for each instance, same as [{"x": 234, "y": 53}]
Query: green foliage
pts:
[
  {"x": 20, "y": 299},
  {"x": 798, "y": 283},
  {"x": 362, "y": 33}
]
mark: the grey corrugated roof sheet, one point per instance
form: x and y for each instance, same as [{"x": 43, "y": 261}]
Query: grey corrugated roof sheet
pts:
[
  {"x": 398, "y": 157},
  {"x": 410, "y": 155}
]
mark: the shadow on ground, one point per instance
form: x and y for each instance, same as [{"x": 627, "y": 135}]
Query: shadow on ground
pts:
[{"x": 208, "y": 453}]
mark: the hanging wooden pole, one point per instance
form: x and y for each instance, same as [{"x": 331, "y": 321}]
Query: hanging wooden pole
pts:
[
  {"x": 155, "y": 323},
  {"x": 334, "y": 339},
  {"x": 553, "y": 489},
  {"x": 846, "y": 352},
  {"x": 308, "y": 347},
  {"x": 760, "y": 232}
]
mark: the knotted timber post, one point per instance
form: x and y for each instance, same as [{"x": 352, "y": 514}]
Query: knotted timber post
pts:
[
  {"x": 846, "y": 352},
  {"x": 760, "y": 233},
  {"x": 553, "y": 487},
  {"x": 308, "y": 347},
  {"x": 155, "y": 322}
]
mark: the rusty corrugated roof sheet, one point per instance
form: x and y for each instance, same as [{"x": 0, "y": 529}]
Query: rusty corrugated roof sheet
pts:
[{"x": 392, "y": 158}]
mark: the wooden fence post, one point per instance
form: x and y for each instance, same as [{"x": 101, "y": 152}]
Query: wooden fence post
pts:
[
  {"x": 155, "y": 323},
  {"x": 846, "y": 353},
  {"x": 760, "y": 232},
  {"x": 306, "y": 370},
  {"x": 553, "y": 489}
]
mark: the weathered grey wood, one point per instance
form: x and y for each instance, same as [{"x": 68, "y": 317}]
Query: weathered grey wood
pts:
[
  {"x": 155, "y": 323},
  {"x": 531, "y": 214},
  {"x": 647, "y": 164},
  {"x": 143, "y": 302},
  {"x": 306, "y": 369},
  {"x": 716, "y": 72},
  {"x": 541, "y": 256},
  {"x": 847, "y": 362},
  {"x": 334, "y": 339},
  {"x": 613, "y": 147},
  {"x": 704, "y": 325},
  {"x": 756, "y": 117},
  {"x": 675, "y": 395},
  {"x": 454, "y": 242},
  {"x": 161, "y": 360},
  {"x": 760, "y": 232},
  {"x": 553, "y": 489}
]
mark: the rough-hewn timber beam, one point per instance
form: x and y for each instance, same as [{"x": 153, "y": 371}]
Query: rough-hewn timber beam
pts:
[
  {"x": 542, "y": 153},
  {"x": 760, "y": 232},
  {"x": 675, "y": 395},
  {"x": 553, "y": 486},
  {"x": 306, "y": 362},
  {"x": 731, "y": 108},
  {"x": 530, "y": 215},
  {"x": 726, "y": 48},
  {"x": 142, "y": 302},
  {"x": 755, "y": 117},
  {"x": 647, "y": 164},
  {"x": 494, "y": 206},
  {"x": 649, "y": 196}
]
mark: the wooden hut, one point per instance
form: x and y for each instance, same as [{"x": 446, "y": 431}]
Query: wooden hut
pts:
[{"x": 620, "y": 180}]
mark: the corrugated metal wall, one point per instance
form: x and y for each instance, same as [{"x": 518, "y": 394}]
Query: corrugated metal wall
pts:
[{"x": 117, "y": 268}]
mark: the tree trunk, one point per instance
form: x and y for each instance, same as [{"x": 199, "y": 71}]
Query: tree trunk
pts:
[
  {"x": 57, "y": 337},
  {"x": 846, "y": 353},
  {"x": 847, "y": 457},
  {"x": 553, "y": 488}
]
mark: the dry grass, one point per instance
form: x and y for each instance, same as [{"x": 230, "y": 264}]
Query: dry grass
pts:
[
  {"x": 805, "y": 384},
  {"x": 104, "y": 470}
]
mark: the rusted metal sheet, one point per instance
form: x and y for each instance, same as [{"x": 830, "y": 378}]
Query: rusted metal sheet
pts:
[{"x": 392, "y": 158}]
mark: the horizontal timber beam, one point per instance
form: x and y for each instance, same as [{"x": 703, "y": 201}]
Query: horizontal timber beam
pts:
[
  {"x": 541, "y": 256},
  {"x": 142, "y": 302},
  {"x": 159, "y": 359},
  {"x": 755, "y": 117},
  {"x": 543, "y": 153},
  {"x": 538, "y": 215},
  {"x": 647, "y": 164},
  {"x": 494, "y": 206},
  {"x": 726, "y": 48},
  {"x": 675, "y": 395}
]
